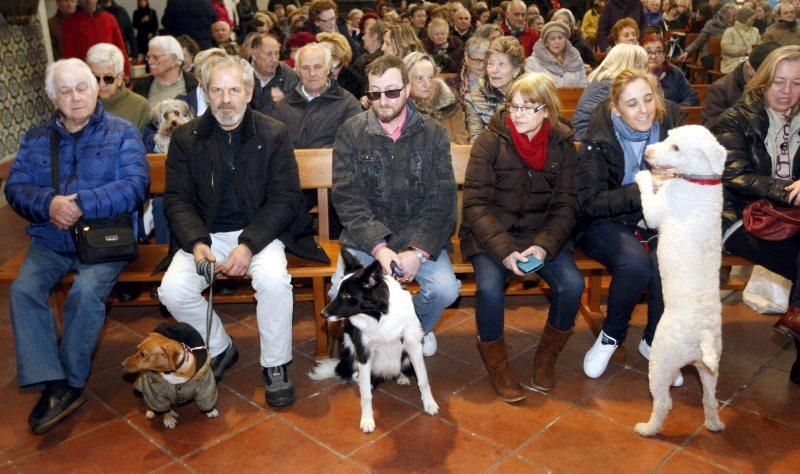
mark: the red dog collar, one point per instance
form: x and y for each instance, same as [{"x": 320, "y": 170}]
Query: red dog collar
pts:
[{"x": 705, "y": 180}]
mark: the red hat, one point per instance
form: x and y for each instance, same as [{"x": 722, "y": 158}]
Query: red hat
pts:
[{"x": 301, "y": 38}]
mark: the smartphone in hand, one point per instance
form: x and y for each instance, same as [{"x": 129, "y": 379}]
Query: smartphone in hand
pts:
[{"x": 533, "y": 264}]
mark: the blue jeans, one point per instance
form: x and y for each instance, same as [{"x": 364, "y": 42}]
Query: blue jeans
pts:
[
  {"x": 561, "y": 274},
  {"x": 438, "y": 286},
  {"x": 40, "y": 356},
  {"x": 160, "y": 221},
  {"x": 632, "y": 270}
]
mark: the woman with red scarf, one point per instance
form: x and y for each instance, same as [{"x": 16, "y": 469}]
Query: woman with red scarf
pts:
[{"x": 520, "y": 203}]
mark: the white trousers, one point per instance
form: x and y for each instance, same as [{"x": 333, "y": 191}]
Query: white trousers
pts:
[{"x": 181, "y": 289}]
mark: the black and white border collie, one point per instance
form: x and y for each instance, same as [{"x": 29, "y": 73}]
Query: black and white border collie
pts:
[{"x": 382, "y": 336}]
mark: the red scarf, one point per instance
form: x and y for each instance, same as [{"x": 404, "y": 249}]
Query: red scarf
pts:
[{"x": 533, "y": 151}]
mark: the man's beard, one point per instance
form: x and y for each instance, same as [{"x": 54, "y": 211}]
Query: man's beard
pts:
[
  {"x": 387, "y": 115},
  {"x": 229, "y": 121}
]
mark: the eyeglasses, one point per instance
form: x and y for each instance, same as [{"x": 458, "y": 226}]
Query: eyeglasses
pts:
[
  {"x": 525, "y": 109},
  {"x": 328, "y": 20},
  {"x": 477, "y": 61},
  {"x": 392, "y": 94},
  {"x": 782, "y": 167},
  {"x": 108, "y": 79},
  {"x": 657, "y": 52}
]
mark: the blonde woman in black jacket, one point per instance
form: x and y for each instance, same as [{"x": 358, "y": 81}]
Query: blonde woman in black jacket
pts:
[{"x": 762, "y": 135}]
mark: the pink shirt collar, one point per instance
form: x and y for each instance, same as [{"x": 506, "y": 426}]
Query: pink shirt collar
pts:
[{"x": 395, "y": 134}]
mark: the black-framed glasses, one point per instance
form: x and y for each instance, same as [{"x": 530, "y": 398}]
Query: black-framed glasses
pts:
[
  {"x": 477, "y": 61},
  {"x": 525, "y": 109},
  {"x": 108, "y": 79},
  {"x": 392, "y": 94},
  {"x": 783, "y": 167},
  {"x": 657, "y": 52}
]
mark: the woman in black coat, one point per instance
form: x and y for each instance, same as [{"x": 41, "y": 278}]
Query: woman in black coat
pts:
[
  {"x": 610, "y": 209},
  {"x": 760, "y": 133},
  {"x": 145, "y": 21}
]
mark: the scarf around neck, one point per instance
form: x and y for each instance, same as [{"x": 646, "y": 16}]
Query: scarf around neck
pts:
[
  {"x": 633, "y": 144},
  {"x": 533, "y": 151}
]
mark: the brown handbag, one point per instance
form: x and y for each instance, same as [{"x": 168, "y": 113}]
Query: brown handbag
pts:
[{"x": 765, "y": 220}]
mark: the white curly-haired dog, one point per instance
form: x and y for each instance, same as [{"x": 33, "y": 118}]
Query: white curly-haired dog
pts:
[
  {"x": 168, "y": 115},
  {"x": 686, "y": 211}
]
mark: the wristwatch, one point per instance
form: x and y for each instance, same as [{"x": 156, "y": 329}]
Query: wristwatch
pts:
[{"x": 420, "y": 256}]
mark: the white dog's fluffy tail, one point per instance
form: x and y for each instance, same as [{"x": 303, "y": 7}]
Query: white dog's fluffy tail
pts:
[
  {"x": 710, "y": 354},
  {"x": 325, "y": 369}
]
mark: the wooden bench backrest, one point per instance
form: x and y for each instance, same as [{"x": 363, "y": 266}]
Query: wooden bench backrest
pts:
[{"x": 569, "y": 96}]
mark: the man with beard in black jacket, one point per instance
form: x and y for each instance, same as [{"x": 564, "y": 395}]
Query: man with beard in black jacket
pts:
[{"x": 233, "y": 197}]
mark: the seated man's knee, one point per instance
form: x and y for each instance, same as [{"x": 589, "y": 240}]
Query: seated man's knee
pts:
[
  {"x": 174, "y": 293},
  {"x": 271, "y": 279},
  {"x": 445, "y": 288}
]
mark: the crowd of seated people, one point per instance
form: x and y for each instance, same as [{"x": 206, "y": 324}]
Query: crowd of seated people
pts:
[{"x": 389, "y": 90}]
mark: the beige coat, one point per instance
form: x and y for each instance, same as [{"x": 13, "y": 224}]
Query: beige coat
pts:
[{"x": 736, "y": 42}]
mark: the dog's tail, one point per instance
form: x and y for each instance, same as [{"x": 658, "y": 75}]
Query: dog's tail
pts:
[
  {"x": 710, "y": 353},
  {"x": 325, "y": 369}
]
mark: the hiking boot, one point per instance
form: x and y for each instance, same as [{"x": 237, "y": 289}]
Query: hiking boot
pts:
[{"x": 278, "y": 389}]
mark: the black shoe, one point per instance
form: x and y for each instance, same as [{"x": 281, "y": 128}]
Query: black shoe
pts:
[
  {"x": 59, "y": 405},
  {"x": 224, "y": 361},
  {"x": 127, "y": 292},
  {"x": 278, "y": 389}
]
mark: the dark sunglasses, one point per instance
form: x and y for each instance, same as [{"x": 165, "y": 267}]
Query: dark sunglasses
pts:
[
  {"x": 393, "y": 94},
  {"x": 108, "y": 79}
]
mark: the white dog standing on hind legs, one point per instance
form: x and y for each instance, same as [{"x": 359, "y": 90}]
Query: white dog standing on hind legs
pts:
[{"x": 686, "y": 211}]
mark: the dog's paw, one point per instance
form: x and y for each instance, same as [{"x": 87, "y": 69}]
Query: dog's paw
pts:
[
  {"x": 715, "y": 425},
  {"x": 170, "y": 421},
  {"x": 367, "y": 425},
  {"x": 644, "y": 179},
  {"x": 173, "y": 413},
  {"x": 431, "y": 407},
  {"x": 402, "y": 380},
  {"x": 645, "y": 429},
  {"x": 149, "y": 414},
  {"x": 213, "y": 413}
]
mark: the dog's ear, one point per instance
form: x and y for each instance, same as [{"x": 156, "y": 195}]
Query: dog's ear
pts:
[
  {"x": 720, "y": 156},
  {"x": 373, "y": 274},
  {"x": 173, "y": 354},
  {"x": 351, "y": 263}
]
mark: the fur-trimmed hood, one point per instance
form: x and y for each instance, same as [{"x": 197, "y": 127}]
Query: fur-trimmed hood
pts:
[
  {"x": 572, "y": 59},
  {"x": 442, "y": 104}
]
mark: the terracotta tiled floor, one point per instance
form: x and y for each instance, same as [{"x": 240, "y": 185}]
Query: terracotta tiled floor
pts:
[{"x": 583, "y": 425}]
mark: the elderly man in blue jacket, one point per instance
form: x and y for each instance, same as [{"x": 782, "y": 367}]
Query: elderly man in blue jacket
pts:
[{"x": 103, "y": 173}]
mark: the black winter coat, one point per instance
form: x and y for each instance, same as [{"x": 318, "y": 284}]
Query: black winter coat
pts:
[
  {"x": 507, "y": 205},
  {"x": 190, "y": 17},
  {"x": 616, "y": 10},
  {"x": 601, "y": 169},
  {"x": 266, "y": 179},
  {"x": 748, "y": 168},
  {"x": 723, "y": 93},
  {"x": 314, "y": 124}
]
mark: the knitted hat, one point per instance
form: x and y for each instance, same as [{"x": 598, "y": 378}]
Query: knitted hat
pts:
[
  {"x": 552, "y": 27},
  {"x": 760, "y": 53},
  {"x": 743, "y": 14}
]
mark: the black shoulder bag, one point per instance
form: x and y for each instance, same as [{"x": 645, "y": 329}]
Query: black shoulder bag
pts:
[{"x": 101, "y": 240}]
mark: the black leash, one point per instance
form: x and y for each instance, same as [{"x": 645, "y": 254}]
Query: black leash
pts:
[{"x": 206, "y": 269}]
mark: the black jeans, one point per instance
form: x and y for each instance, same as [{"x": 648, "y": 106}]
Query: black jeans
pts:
[
  {"x": 632, "y": 270},
  {"x": 781, "y": 257}
]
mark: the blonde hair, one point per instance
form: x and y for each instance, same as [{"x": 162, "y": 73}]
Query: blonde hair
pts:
[
  {"x": 628, "y": 76},
  {"x": 620, "y": 57},
  {"x": 341, "y": 47},
  {"x": 404, "y": 40},
  {"x": 765, "y": 74},
  {"x": 438, "y": 22},
  {"x": 536, "y": 88},
  {"x": 509, "y": 46}
]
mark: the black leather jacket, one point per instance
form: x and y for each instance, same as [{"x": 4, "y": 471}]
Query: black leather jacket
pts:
[{"x": 748, "y": 168}]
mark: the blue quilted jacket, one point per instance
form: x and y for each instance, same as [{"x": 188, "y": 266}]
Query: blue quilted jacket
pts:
[{"x": 106, "y": 166}]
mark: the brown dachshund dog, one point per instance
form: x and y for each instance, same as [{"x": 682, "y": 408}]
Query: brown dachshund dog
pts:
[{"x": 174, "y": 369}]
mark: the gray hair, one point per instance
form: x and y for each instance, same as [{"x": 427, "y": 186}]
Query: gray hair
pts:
[
  {"x": 411, "y": 59},
  {"x": 205, "y": 55},
  {"x": 476, "y": 45},
  {"x": 106, "y": 53},
  {"x": 326, "y": 58},
  {"x": 169, "y": 44},
  {"x": 515, "y": 2},
  {"x": 73, "y": 65},
  {"x": 227, "y": 62},
  {"x": 565, "y": 11}
]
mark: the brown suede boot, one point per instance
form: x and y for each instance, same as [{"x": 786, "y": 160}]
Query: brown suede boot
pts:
[
  {"x": 503, "y": 380},
  {"x": 544, "y": 362}
]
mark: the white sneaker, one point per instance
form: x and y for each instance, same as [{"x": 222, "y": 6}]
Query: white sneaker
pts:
[
  {"x": 644, "y": 350},
  {"x": 596, "y": 359},
  {"x": 429, "y": 344}
]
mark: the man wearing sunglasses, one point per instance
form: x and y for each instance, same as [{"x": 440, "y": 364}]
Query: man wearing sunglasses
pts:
[{"x": 395, "y": 192}]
